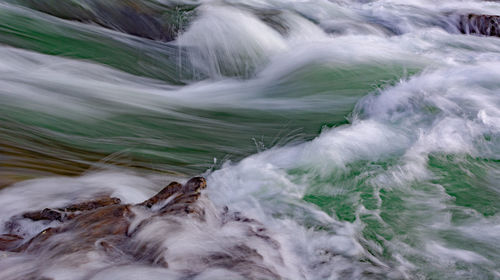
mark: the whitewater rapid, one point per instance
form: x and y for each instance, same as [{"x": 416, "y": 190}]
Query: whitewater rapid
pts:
[{"x": 362, "y": 135}]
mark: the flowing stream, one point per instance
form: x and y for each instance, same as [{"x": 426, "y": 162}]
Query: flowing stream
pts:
[{"x": 363, "y": 135}]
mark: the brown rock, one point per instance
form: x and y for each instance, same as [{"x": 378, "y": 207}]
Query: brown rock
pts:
[
  {"x": 9, "y": 242},
  {"x": 90, "y": 205},
  {"x": 65, "y": 213},
  {"x": 102, "y": 219},
  {"x": 45, "y": 214},
  {"x": 165, "y": 193}
]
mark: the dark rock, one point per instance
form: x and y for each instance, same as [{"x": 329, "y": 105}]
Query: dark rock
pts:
[
  {"x": 488, "y": 25},
  {"x": 274, "y": 19},
  {"x": 146, "y": 19},
  {"x": 9, "y": 242},
  {"x": 45, "y": 214}
]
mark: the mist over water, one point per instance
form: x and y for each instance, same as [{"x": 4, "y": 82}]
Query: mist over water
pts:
[{"x": 361, "y": 139}]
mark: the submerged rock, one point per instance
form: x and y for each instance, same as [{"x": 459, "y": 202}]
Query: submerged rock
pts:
[
  {"x": 103, "y": 217},
  {"x": 147, "y": 19},
  {"x": 488, "y": 25},
  {"x": 138, "y": 234},
  {"x": 67, "y": 212},
  {"x": 9, "y": 242}
]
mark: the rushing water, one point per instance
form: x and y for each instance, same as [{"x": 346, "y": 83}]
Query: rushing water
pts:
[{"x": 364, "y": 135}]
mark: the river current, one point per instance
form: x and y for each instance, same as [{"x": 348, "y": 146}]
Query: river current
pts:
[{"x": 363, "y": 135}]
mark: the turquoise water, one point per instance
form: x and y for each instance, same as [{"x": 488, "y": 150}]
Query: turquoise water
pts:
[{"x": 363, "y": 134}]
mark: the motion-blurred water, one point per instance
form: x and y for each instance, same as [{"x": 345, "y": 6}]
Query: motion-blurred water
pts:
[{"x": 364, "y": 135}]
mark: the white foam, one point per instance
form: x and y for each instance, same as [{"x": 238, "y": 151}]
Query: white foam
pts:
[{"x": 229, "y": 41}]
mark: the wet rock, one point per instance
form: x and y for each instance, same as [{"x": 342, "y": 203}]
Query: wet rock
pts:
[
  {"x": 37, "y": 241},
  {"x": 103, "y": 219},
  {"x": 131, "y": 233},
  {"x": 90, "y": 205},
  {"x": 488, "y": 25},
  {"x": 182, "y": 205},
  {"x": 9, "y": 242},
  {"x": 110, "y": 220},
  {"x": 147, "y": 19},
  {"x": 45, "y": 214},
  {"x": 164, "y": 194},
  {"x": 65, "y": 213},
  {"x": 195, "y": 184},
  {"x": 274, "y": 19}
]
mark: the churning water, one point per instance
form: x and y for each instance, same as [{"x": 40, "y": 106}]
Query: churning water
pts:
[{"x": 364, "y": 136}]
